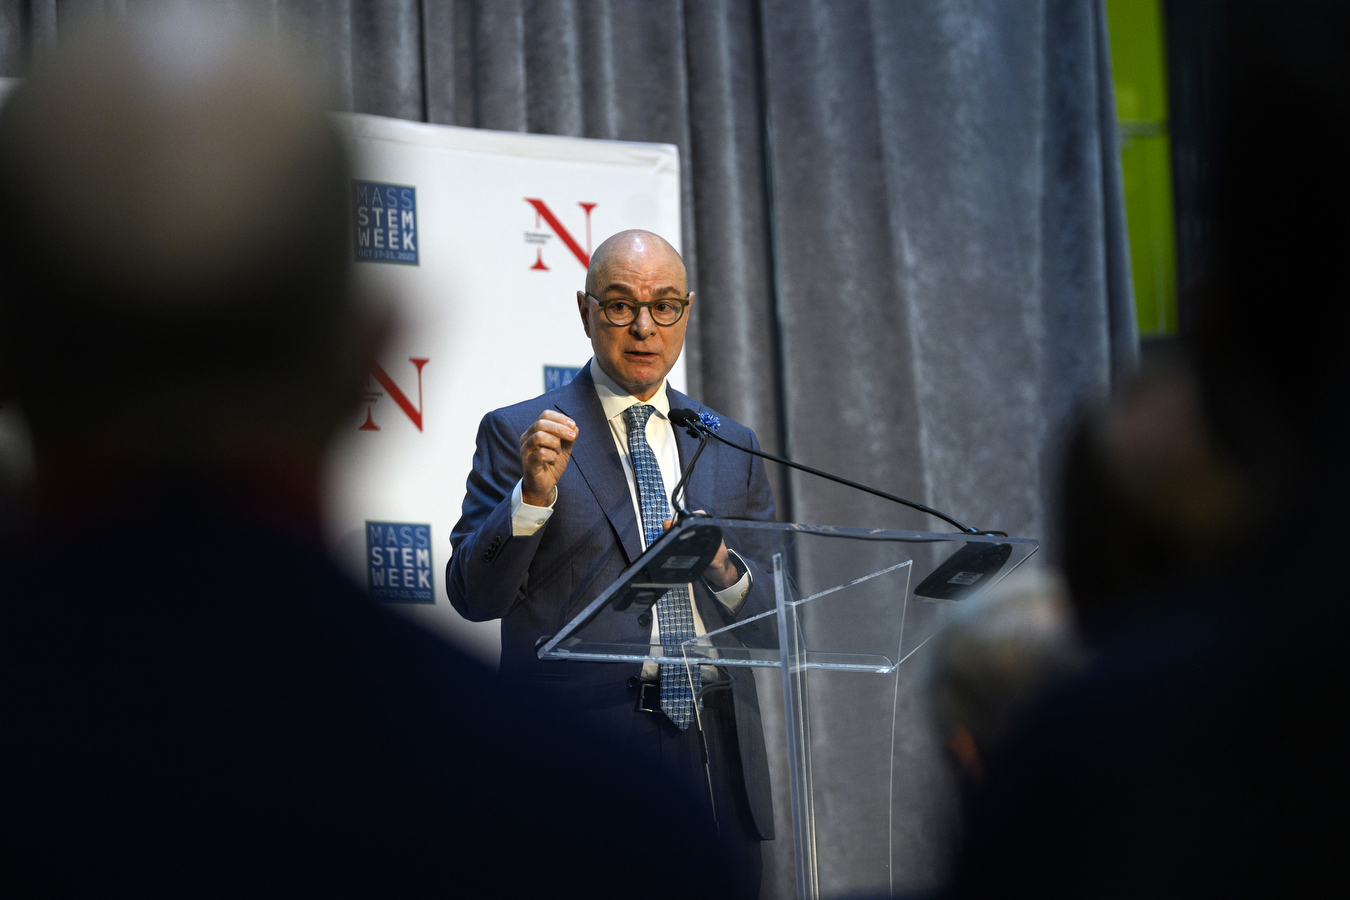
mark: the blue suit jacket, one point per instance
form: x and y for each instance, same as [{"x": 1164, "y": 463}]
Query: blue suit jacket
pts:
[{"x": 537, "y": 584}]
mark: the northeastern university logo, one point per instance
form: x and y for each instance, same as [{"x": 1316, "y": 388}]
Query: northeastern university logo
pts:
[
  {"x": 398, "y": 562},
  {"x": 381, "y": 379},
  {"x": 539, "y": 238},
  {"x": 385, "y": 216}
]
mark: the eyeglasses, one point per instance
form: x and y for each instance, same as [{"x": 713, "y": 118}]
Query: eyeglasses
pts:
[{"x": 622, "y": 311}]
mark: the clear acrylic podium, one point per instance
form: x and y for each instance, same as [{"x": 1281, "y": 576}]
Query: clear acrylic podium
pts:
[{"x": 831, "y": 619}]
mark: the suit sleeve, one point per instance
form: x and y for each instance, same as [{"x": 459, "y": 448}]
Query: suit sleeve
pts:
[
  {"x": 759, "y": 497},
  {"x": 758, "y": 505},
  {"x": 489, "y": 567}
]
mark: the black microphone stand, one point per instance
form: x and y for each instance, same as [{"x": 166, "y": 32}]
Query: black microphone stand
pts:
[
  {"x": 697, "y": 429},
  {"x": 678, "y": 505}
]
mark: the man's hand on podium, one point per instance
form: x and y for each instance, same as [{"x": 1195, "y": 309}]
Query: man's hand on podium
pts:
[{"x": 721, "y": 572}]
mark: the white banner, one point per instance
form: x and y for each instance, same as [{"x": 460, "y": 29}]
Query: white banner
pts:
[{"x": 479, "y": 240}]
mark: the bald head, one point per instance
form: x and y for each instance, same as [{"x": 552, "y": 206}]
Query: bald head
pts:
[
  {"x": 171, "y": 213},
  {"x": 621, "y": 246},
  {"x": 641, "y": 271}
]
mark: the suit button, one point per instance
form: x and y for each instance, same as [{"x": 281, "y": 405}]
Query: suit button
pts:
[
  {"x": 633, "y": 682},
  {"x": 491, "y": 551},
  {"x": 645, "y": 620}
]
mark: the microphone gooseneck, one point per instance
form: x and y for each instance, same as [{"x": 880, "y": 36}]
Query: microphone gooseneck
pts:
[
  {"x": 696, "y": 428},
  {"x": 678, "y": 504}
]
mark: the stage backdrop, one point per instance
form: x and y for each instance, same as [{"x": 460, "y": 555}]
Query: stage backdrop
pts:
[{"x": 478, "y": 240}]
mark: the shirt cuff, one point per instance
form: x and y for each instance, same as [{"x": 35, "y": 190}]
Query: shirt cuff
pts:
[
  {"x": 733, "y": 597},
  {"x": 527, "y": 519}
]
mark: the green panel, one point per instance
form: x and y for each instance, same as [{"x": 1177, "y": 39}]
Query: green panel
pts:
[
  {"x": 1137, "y": 59},
  {"x": 1140, "y": 76},
  {"x": 1146, "y": 164}
]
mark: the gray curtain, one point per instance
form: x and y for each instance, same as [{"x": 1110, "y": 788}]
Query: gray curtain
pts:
[{"x": 903, "y": 220}]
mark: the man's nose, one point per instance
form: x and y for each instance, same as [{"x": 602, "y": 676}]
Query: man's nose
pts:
[{"x": 643, "y": 323}]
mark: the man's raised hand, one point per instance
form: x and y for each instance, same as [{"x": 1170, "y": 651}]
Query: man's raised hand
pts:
[{"x": 545, "y": 448}]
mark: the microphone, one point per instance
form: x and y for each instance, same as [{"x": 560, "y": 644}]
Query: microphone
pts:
[
  {"x": 685, "y": 417},
  {"x": 697, "y": 428}
]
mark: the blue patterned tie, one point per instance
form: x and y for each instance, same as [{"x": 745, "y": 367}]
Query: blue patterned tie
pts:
[{"x": 673, "y": 611}]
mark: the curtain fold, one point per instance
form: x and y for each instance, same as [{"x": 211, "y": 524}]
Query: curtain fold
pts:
[
  {"x": 738, "y": 318},
  {"x": 11, "y": 38}
]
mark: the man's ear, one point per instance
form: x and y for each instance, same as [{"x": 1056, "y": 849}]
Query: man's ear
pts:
[{"x": 584, "y": 308}]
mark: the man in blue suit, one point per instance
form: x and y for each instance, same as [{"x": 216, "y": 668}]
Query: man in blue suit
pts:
[{"x": 552, "y": 514}]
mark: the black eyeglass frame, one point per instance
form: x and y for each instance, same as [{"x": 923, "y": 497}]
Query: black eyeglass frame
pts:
[{"x": 605, "y": 305}]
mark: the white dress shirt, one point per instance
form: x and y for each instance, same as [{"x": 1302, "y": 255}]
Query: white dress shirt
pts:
[{"x": 527, "y": 519}]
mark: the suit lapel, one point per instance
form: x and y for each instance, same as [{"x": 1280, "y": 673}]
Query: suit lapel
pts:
[
  {"x": 700, "y": 492},
  {"x": 597, "y": 460}
]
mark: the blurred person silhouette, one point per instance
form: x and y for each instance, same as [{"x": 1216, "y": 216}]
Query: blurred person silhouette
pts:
[
  {"x": 1197, "y": 754},
  {"x": 194, "y": 700},
  {"x": 1147, "y": 496}
]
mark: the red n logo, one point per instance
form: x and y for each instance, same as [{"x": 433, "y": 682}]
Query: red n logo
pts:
[
  {"x": 414, "y": 413},
  {"x": 541, "y": 211}
]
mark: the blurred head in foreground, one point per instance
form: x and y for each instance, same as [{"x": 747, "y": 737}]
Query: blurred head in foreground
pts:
[
  {"x": 1147, "y": 497},
  {"x": 172, "y": 241}
]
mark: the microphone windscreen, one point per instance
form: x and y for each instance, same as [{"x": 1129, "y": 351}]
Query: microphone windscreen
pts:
[{"x": 683, "y": 416}]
